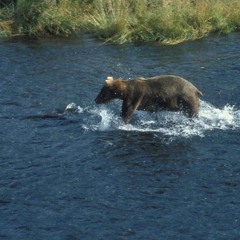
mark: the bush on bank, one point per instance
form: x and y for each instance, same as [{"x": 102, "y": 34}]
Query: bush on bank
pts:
[{"x": 120, "y": 21}]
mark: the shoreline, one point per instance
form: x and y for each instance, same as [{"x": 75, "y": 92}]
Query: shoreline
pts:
[{"x": 164, "y": 21}]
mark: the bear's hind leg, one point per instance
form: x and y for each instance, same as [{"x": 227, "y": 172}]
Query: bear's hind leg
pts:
[
  {"x": 190, "y": 107},
  {"x": 172, "y": 104}
]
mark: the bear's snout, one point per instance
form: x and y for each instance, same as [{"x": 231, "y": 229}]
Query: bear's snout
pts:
[
  {"x": 97, "y": 100},
  {"x": 104, "y": 96},
  {"x": 100, "y": 99}
]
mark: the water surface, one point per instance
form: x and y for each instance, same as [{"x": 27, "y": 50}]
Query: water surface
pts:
[{"x": 86, "y": 175}]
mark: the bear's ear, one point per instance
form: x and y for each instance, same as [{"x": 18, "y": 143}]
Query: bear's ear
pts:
[{"x": 109, "y": 80}]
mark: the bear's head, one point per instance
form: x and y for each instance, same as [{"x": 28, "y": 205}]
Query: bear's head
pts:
[{"x": 111, "y": 89}]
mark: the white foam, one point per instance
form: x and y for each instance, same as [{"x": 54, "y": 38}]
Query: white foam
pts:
[
  {"x": 174, "y": 124},
  {"x": 215, "y": 118}
]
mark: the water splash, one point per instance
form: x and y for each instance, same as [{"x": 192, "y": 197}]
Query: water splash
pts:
[
  {"x": 166, "y": 123},
  {"x": 73, "y": 108},
  {"x": 107, "y": 118}
]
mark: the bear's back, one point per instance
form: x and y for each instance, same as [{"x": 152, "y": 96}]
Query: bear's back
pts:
[{"x": 169, "y": 83}]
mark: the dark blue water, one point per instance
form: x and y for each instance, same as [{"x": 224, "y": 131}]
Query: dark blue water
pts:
[{"x": 86, "y": 175}]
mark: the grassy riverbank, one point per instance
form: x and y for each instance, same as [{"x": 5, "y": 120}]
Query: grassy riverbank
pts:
[{"x": 120, "y": 21}]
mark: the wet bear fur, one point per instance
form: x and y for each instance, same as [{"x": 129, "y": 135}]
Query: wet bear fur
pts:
[{"x": 166, "y": 92}]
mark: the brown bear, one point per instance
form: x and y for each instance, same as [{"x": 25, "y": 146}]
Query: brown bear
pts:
[{"x": 165, "y": 92}]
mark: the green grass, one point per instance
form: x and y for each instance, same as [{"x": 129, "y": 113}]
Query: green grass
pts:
[
  {"x": 121, "y": 21},
  {"x": 36, "y": 18}
]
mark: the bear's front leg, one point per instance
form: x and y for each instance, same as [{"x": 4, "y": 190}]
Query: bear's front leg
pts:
[{"x": 128, "y": 108}]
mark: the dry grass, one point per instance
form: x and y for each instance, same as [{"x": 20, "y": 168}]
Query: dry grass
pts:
[
  {"x": 110, "y": 20},
  {"x": 167, "y": 21},
  {"x": 6, "y": 21}
]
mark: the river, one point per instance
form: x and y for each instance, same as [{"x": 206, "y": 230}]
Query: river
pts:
[{"x": 85, "y": 175}]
